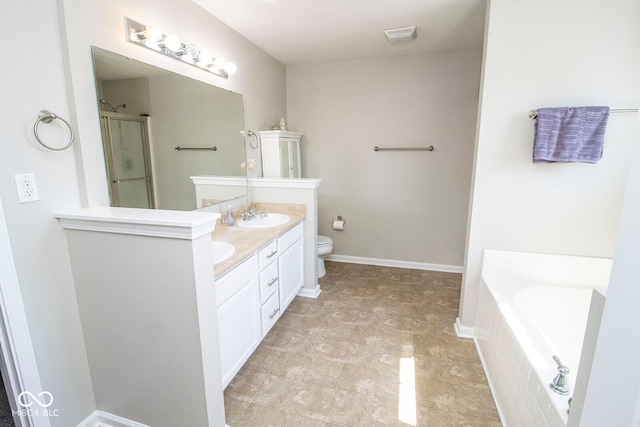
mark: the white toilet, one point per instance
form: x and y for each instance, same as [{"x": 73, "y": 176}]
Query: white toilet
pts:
[{"x": 325, "y": 247}]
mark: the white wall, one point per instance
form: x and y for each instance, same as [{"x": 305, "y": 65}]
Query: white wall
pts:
[
  {"x": 408, "y": 206},
  {"x": 613, "y": 394},
  {"x": 545, "y": 54},
  {"x": 33, "y": 79}
]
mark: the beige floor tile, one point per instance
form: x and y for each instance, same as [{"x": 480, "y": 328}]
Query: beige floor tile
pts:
[
  {"x": 432, "y": 417},
  {"x": 333, "y": 350},
  {"x": 471, "y": 421},
  {"x": 362, "y": 354},
  {"x": 461, "y": 349},
  {"x": 323, "y": 371},
  {"x": 371, "y": 336},
  {"x": 259, "y": 360},
  {"x": 351, "y": 409},
  {"x": 436, "y": 394},
  {"x": 292, "y": 420},
  {"x": 385, "y": 413},
  {"x": 432, "y": 368},
  {"x": 475, "y": 401},
  {"x": 276, "y": 392},
  {"x": 290, "y": 366},
  {"x": 256, "y": 415},
  {"x": 233, "y": 409},
  {"x": 245, "y": 384},
  {"x": 469, "y": 373},
  {"x": 278, "y": 338},
  {"x": 399, "y": 324},
  {"x": 313, "y": 400},
  {"x": 360, "y": 380},
  {"x": 430, "y": 345}
]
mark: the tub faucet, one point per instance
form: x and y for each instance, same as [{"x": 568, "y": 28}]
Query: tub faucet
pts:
[{"x": 560, "y": 384}]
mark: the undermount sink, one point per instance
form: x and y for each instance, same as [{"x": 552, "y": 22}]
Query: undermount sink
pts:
[
  {"x": 222, "y": 251},
  {"x": 271, "y": 220}
]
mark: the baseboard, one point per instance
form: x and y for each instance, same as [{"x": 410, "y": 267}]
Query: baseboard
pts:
[
  {"x": 105, "y": 419},
  {"x": 395, "y": 263},
  {"x": 463, "y": 331},
  {"x": 310, "y": 293}
]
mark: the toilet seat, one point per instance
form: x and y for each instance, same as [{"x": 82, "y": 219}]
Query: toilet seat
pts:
[{"x": 324, "y": 241}]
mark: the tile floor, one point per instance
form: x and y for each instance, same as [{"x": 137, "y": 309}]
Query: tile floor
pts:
[{"x": 376, "y": 348}]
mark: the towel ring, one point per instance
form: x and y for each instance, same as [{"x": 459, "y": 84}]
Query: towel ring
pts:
[
  {"x": 253, "y": 136},
  {"x": 47, "y": 117}
]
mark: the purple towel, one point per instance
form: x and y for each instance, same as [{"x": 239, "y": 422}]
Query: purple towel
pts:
[{"x": 570, "y": 134}]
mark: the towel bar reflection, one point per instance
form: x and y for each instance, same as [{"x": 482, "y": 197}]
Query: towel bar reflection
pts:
[
  {"x": 178, "y": 148},
  {"x": 429, "y": 148},
  {"x": 533, "y": 114}
]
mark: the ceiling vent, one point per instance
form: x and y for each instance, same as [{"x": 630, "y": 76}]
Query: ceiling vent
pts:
[{"x": 401, "y": 35}]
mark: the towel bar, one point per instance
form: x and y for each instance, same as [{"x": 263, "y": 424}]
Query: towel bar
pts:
[
  {"x": 533, "y": 114},
  {"x": 429, "y": 148},
  {"x": 178, "y": 148}
]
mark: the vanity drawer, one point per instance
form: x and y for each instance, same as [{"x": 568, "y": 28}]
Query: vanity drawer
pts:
[
  {"x": 267, "y": 255},
  {"x": 270, "y": 313},
  {"x": 289, "y": 238},
  {"x": 235, "y": 279},
  {"x": 268, "y": 281}
]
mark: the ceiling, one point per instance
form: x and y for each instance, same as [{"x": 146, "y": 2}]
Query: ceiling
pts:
[{"x": 303, "y": 31}]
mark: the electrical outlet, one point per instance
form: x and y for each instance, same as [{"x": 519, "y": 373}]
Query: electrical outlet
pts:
[{"x": 27, "y": 187}]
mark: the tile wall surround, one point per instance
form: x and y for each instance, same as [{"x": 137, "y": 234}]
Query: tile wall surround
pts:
[
  {"x": 521, "y": 396},
  {"x": 376, "y": 338}
]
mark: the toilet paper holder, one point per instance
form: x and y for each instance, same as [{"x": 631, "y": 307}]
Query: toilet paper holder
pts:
[{"x": 338, "y": 224}]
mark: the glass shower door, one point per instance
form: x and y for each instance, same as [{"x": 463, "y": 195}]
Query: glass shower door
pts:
[{"x": 126, "y": 146}]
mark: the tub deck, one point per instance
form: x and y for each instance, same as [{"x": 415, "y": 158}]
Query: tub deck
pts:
[{"x": 534, "y": 306}]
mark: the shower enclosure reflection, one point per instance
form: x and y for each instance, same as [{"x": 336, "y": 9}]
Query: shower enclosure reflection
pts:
[
  {"x": 158, "y": 110},
  {"x": 126, "y": 148}
]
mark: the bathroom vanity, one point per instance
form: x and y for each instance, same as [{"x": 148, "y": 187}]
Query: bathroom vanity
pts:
[{"x": 255, "y": 287}]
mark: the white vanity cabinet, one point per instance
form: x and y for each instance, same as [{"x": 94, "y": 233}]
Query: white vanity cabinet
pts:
[
  {"x": 280, "y": 154},
  {"x": 238, "y": 299},
  {"x": 290, "y": 265},
  {"x": 252, "y": 297}
]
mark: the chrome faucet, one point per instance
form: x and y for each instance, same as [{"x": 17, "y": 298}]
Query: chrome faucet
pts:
[
  {"x": 560, "y": 384},
  {"x": 253, "y": 212}
]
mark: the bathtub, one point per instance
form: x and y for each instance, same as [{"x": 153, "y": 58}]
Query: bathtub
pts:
[{"x": 532, "y": 307}]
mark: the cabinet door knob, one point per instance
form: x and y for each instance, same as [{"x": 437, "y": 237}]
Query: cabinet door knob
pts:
[
  {"x": 272, "y": 254},
  {"x": 274, "y": 313},
  {"x": 274, "y": 280}
]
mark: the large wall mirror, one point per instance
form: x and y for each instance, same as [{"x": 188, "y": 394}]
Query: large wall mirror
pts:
[{"x": 146, "y": 113}]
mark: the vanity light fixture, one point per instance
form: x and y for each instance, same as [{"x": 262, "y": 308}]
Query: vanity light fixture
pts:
[{"x": 170, "y": 45}]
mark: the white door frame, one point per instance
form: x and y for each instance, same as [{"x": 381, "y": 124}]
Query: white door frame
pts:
[{"x": 20, "y": 365}]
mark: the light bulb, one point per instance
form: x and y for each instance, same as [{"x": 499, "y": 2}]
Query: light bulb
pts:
[
  {"x": 172, "y": 42},
  {"x": 230, "y": 68},
  {"x": 150, "y": 33}
]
